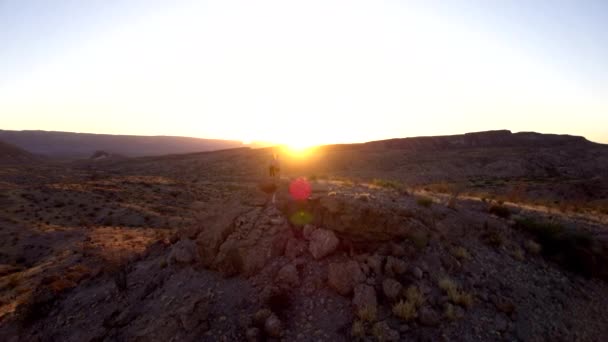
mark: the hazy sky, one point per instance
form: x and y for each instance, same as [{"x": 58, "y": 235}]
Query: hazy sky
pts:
[{"x": 304, "y": 71}]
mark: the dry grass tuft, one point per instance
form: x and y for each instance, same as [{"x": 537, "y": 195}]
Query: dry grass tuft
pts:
[
  {"x": 413, "y": 294},
  {"x": 460, "y": 253},
  {"x": 406, "y": 310},
  {"x": 367, "y": 313},
  {"x": 456, "y": 295},
  {"x": 424, "y": 202},
  {"x": 358, "y": 329}
]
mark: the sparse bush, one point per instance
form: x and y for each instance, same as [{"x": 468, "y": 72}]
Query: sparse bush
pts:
[
  {"x": 460, "y": 253},
  {"x": 420, "y": 239},
  {"x": 449, "y": 312},
  {"x": 424, "y": 202},
  {"x": 455, "y": 295},
  {"x": 493, "y": 238},
  {"x": 358, "y": 329},
  {"x": 518, "y": 254},
  {"x": 387, "y": 183},
  {"x": 367, "y": 313},
  {"x": 500, "y": 211},
  {"x": 413, "y": 294},
  {"x": 406, "y": 310},
  {"x": 574, "y": 249}
]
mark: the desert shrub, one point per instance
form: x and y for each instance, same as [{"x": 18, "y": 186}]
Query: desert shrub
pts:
[
  {"x": 387, "y": 183},
  {"x": 518, "y": 254},
  {"x": 460, "y": 252},
  {"x": 424, "y": 202},
  {"x": 406, "y": 310},
  {"x": 367, "y": 313},
  {"x": 449, "y": 312},
  {"x": 454, "y": 293},
  {"x": 493, "y": 238},
  {"x": 413, "y": 294},
  {"x": 573, "y": 249},
  {"x": 500, "y": 211},
  {"x": 358, "y": 329},
  {"x": 420, "y": 239}
]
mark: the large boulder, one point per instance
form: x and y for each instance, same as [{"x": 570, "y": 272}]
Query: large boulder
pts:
[
  {"x": 344, "y": 276},
  {"x": 322, "y": 243}
]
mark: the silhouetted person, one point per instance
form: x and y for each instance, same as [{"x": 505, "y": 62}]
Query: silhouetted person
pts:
[{"x": 275, "y": 166}]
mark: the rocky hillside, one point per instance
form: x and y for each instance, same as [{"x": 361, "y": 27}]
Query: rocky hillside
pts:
[
  {"x": 488, "y": 139},
  {"x": 10, "y": 154},
  {"x": 349, "y": 263},
  {"x": 204, "y": 247},
  {"x": 83, "y": 145}
]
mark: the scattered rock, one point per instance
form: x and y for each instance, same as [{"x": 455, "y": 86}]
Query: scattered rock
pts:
[
  {"x": 503, "y": 305},
  {"x": 500, "y": 323},
  {"x": 322, "y": 243},
  {"x": 375, "y": 263},
  {"x": 294, "y": 248},
  {"x": 394, "y": 266},
  {"x": 288, "y": 276},
  {"x": 253, "y": 335},
  {"x": 259, "y": 318},
  {"x": 343, "y": 276},
  {"x": 307, "y": 231},
  {"x": 273, "y": 326},
  {"x": 364, "y": 298},
  {"x": 417, "y": 272},
  {"x": 392, "y": 288},
  {"x": 184, "y": 252},
  {"x": 397, "y": 250},
  {"x": 383, "y": 332},
  {"x": 195, "y": 315},
  {"x": 428, "y": 317}
]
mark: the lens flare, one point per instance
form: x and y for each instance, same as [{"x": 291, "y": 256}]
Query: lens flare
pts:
[{"x": 300, "y": 189}]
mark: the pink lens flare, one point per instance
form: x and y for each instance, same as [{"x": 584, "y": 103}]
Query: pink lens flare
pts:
[{"x": 300, "y": 189}]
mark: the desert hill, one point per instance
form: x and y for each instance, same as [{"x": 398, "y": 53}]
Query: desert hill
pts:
[
  {"x": 10, "y": 154},
  {"x": 385, "y": 243},
  {"x": 83, "y": 145}
]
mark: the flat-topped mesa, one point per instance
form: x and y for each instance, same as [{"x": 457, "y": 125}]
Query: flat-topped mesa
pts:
[{"x": 490, "y": 139}]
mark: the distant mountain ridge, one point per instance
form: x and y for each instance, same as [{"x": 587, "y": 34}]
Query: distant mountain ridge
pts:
[
  {"x": 83, "y": 145},
  {"x": 498, "y": 138}
]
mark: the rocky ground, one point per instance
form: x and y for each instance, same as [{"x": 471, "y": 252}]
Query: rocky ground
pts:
[{"x": 188, "y": 248}]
